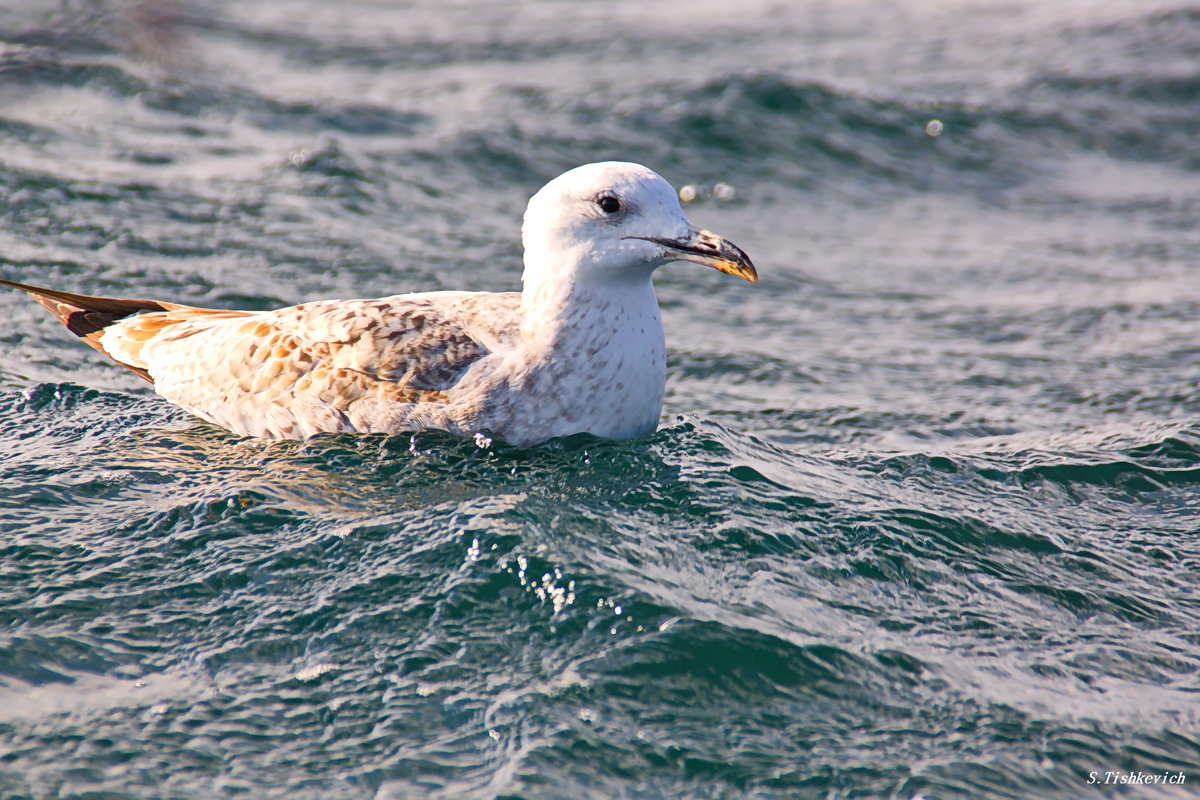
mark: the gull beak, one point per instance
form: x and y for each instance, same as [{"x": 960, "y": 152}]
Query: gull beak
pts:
[{"x": 706, "y": 247}]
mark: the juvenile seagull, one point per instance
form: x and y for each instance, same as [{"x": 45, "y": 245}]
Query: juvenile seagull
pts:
[{"x": 580, "y": 349}]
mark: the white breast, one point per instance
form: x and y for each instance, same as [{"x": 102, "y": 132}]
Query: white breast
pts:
[{"x": 599, "y": 368}]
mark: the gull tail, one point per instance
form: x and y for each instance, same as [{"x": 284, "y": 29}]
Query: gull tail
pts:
[{"x": 87, "y": 316}]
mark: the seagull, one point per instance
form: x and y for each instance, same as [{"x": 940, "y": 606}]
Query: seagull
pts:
[{"x": 579, "y": 350}]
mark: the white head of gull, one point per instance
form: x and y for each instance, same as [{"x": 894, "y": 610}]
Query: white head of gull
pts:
[
  {"x": 611, "y": 225},
  {"x": 580, "y": 349}
]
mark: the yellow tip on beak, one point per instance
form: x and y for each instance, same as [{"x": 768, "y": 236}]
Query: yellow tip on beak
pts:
[
  {"x": 721, "y": 254},
  {"x": 706, "y": 247}
]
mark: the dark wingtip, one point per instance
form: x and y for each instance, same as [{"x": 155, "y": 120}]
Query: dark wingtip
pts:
[{"x": 85, "y": 315}]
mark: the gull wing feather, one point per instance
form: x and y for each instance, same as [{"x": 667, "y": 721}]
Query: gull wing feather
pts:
[
  {"x": 323, "y": 366},
  {"x": 338, "y": 365},
  {"x": 87, "y": 316}
]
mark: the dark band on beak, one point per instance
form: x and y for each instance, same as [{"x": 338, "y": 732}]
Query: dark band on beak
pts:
[{"x": 706, "y": 247}]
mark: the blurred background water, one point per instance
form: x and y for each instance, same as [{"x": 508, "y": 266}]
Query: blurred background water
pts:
[{"x": 920, "y": 520}]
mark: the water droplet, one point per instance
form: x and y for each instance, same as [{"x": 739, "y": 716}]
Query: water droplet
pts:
[
  {"x": 723, "y": 191},
  {"x": 687, "y": 193},
  {"x": 314, "y": 672},
  {"x": 934, "y": 127}
]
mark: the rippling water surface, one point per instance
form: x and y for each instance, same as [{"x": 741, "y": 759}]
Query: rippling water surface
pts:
[{"x": 920, "y": 520}]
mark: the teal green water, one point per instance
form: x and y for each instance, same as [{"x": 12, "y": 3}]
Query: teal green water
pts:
[{"x": 920, "y": 520}]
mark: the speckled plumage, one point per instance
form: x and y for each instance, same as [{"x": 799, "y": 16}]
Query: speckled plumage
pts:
[{"x": 580, "y": 349}]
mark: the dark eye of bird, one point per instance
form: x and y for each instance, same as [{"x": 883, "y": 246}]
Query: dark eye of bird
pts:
[{"x": 609, "y": 205}]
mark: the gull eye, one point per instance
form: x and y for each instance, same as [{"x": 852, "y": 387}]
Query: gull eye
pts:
[{"x": 609, "y": 204}]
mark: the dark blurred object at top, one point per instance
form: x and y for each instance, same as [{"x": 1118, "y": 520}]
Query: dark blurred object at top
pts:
[{"x": 155, "y": 32}]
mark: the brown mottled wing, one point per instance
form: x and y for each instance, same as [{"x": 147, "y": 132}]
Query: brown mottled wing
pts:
[
  {"x": 326, "y": 366},
  {"x": 342, "y": 365},
  {"x": 420, "y": 343}
]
